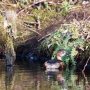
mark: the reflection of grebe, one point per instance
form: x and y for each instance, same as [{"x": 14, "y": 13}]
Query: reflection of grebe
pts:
[
  {"x": 58, "y": 62},
  {"x": 60, "y": 79},
  {"x": 57, "y": 76}
]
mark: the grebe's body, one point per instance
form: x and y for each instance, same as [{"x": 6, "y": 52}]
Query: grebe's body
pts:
[{"x": 57, "y": 63}]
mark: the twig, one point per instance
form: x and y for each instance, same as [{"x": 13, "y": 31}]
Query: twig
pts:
[
  {"x": 86, "y": 64},
  {"x": 8, "y": 4},
  {"x": 30, "y": 5},
  {"x": 31, "y": 30},
  {"x": 72, "y": 8},
  {"x": 88, "y": 18},
  {"x": 44, "y": 37},
  {"x": 27, "y": 22},
  {"x": 84, "y": 14}
]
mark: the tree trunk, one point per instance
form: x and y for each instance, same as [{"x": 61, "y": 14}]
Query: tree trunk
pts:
[
  {"x": 9, "y": 52},
  {"x": 11, "y": 33}
]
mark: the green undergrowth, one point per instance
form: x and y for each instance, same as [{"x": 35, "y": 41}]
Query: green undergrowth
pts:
[
  {"x": 48, "y": 15},
  {"x": 67, "y": 37},
  {"x": 73, "y": 37}
]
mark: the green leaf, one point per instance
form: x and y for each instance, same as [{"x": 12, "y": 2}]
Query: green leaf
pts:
[
  {"x": 66, "y": 40},
  {"x": 73, "y": 52}
]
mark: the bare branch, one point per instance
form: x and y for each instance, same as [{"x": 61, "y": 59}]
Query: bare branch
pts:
[
  {"x": 44, "y": 37},
  {"x": 8, "y": 4},
  {"x": 30, "y": 5}
]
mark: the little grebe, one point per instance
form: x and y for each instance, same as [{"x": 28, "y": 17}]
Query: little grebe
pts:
[{"x": 57, "y": 63}]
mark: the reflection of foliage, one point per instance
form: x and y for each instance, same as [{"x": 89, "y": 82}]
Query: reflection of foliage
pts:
[
  {"x": 71, "y": 78},
  {"x": 70, "y": 81},
  {"x": 67, "y": 37}
]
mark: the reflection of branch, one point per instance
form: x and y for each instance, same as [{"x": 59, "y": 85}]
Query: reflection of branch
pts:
[
  {"x": 87, "y": 85},
  {"x": 86, "y": 64},
  {"x": 85, "y": 77}
]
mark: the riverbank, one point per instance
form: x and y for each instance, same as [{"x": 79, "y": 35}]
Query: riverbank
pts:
[{"x": 29, "y": 36}]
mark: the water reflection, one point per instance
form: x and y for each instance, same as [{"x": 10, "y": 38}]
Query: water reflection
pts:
[
  {"x": 58, "y": 75},
  {"x": 87, "y": 86},
  {"x": 33, "y": 77},
  {"x": 9, "y": 77}
]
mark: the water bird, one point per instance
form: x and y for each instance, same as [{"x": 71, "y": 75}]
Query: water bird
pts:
[{"x": 57, "y": 63}]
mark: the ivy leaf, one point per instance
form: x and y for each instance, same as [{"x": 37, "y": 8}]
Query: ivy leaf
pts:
[
  {"x": 73, "y": 52},
  {"x": 73, "y": 61},
  {"x": 75, "y": 36},
  {"x": 66, "y": 39}
]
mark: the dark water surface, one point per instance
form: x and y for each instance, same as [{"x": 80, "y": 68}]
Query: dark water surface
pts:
[{"x": 33, "y": 77}]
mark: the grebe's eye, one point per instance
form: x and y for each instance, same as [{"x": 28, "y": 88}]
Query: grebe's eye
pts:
[{"x": 64, "y": 52}]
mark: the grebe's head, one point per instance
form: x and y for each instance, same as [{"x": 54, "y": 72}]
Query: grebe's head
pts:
[{"x": 60, "y": 54}]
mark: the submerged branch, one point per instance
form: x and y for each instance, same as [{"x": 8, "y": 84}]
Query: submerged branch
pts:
[
  {"x": 86, "y": 80},
  {"x": 86, "y": 63}
]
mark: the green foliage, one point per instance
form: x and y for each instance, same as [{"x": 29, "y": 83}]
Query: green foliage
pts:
[
  {"x": 46, "y": 4},
  {"x": 63, "y": 39},
  {"x": 2, "y": 36},
  {"x": 65, "y": 8},
  {"x": 38, "y": 7},
  {"x": 22, "y": 3}
]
